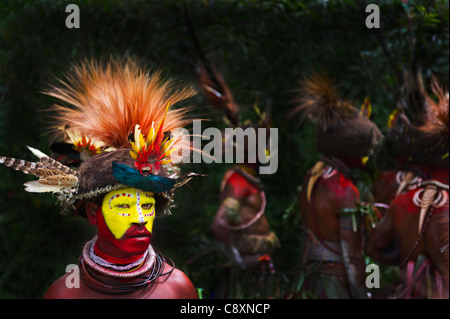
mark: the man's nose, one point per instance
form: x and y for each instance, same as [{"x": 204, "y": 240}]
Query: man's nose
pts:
[
  {"x": 137, "y": 218},
  {"x": 142, "y": 224}
]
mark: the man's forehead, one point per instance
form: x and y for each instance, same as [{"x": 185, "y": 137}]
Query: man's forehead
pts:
[{"x": 129, "y": 192}]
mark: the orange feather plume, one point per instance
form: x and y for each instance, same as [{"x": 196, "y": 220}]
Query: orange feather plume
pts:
[{"x": 105, "y": 102}]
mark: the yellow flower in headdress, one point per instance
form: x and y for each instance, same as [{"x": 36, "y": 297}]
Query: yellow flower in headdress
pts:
[
  {"x": 84, "y": 145},
  {"x": 153, "y": 151}
]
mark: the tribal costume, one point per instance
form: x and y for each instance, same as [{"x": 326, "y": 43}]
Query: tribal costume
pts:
[
  {"x": 246, "y": 236},
  {"x": 122, "y": 124},
  {"x": 417, "y": 220},
  {"x": 404, "y": 177},
  {"x": 333, "y": 261},
  {"x": 240, "y": 224}
]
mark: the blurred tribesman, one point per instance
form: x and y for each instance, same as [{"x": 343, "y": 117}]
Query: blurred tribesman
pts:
[
  {"x": 240, "y": 224},
  {"x": 329, "y": 199},
  {"x": 417, "y": 220}
]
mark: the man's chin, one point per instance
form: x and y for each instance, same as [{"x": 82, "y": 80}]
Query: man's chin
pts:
[{"x": 135, "y": 245}]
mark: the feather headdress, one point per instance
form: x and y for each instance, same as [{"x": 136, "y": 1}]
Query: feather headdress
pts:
[
  {"x": 120, "y": 119},
  {"x": 53, "y": 176},
  {"x": 341, "y": 129},
  {"x": 218, "y": 93},
  {"x": 423, "y": 138},
  {"x": 437, "y": 121},
  {"x": 107, "y": 101},
  {"x": 318, "y": 101},
  {"x": 431, "y": 144}
]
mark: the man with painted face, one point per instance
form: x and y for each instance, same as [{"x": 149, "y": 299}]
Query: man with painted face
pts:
[
  {"x": 118, "y": 119},
  {"x": 124, "y": 222},
  {"x": 120, "y": 259}
]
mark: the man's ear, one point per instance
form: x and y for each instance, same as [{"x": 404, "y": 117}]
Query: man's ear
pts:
[{"x": 91, "y": 212}]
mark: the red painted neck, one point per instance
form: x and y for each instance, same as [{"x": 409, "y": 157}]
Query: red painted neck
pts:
[{"x": 116, "y": 260}]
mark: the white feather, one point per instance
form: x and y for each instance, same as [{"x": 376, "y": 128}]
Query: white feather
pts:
[
  {"x": 36, "y": 187},
  {"x": 37, "y": 152}
]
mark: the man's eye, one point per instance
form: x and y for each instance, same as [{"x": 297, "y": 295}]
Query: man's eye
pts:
[
  {"x": 123, "y": 206},
  {"x": 147, "y": 206}
]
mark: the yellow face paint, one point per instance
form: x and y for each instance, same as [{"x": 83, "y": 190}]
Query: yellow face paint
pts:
[{"x": 125, "y": 207}]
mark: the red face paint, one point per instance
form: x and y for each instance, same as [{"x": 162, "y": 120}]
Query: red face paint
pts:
[{"x": 135, "y": 241}]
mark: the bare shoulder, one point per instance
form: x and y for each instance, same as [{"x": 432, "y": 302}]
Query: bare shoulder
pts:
[
  {"x": 54, "y": 291},
  {"x": 172, "y": 285},
  {"x": 177, "y": 285},
  {"x": 60, "y": 290},
  {"x": 341, "y": 190}
]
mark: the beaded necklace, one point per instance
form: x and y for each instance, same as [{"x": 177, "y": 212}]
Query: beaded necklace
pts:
[
  {"x": 141, "y": 266},
  {"x": 113, "y": 282},
  {"x": 119, "y": 264}
]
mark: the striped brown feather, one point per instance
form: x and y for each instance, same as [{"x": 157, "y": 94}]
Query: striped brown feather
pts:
[
  {"x": 52, "y": 164},
  {"x": 20, "y": 165},
  {"x": 63, "y": 180}
]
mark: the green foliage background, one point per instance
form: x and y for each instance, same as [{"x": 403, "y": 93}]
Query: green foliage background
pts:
[{"x": 262, "y": 47}]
